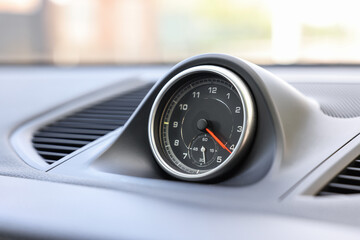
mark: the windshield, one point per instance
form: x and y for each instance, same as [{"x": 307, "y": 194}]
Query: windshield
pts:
[{"x": 166, "y": 31}]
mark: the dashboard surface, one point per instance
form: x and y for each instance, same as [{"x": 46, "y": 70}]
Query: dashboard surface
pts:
[{"x": 52, "y": 204}]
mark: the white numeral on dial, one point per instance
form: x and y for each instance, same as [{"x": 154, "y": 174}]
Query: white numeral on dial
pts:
[
  {"x": 196, "y": 94},
  {"x": 239, "y": 128},
  {"x": 212, "y": 89},
  {"x": 183, "y": 107}
]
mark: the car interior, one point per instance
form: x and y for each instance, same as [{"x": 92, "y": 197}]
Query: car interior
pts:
[{"x": 150, "y": 119}]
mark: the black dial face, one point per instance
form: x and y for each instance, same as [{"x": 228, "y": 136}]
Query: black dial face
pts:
[{"x": 201, "y": 124}]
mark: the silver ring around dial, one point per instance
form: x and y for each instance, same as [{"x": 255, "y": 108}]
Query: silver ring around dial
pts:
[{"x": 245, "y": 138}]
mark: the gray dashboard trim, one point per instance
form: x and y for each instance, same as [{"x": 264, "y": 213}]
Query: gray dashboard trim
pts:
[{"x": 241, "y": 208}]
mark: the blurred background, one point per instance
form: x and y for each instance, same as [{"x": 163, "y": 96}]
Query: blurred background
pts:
[{"x": 167, "y": 31}]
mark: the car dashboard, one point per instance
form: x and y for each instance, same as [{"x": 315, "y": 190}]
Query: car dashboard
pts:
[{"x": 297, "y": 176}]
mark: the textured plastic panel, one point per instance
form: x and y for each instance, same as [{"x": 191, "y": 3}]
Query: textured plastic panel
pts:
[{"x": 336, "y": 100}]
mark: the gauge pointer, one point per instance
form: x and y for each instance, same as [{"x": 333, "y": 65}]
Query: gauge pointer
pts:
[
  {"x": 203, "y": 152},
  {"x": 202, "y": 125},
  {"x": 217, "y": 140}
]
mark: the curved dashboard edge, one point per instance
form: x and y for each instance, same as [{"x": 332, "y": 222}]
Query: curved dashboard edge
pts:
[{"x": 267, "y": 138}]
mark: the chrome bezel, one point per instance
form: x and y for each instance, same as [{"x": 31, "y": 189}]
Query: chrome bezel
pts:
[{"x": 245, "y": 138}]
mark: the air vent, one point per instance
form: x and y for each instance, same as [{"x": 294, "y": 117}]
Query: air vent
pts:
[
  {"x": 346, "y": 182},
  {"x": 68, "y": 134}
]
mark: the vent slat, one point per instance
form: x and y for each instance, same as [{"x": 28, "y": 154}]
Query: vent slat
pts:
[
  {"x": 77, "y": 125},
  {"x": 51, "y": 154},
  {"x": 104, "y": 112},
  {"x": 114, "y": 108},
  {"x": 128, "y": 100},
  {"x": 76, "y": 130},
  {"x": 67, "y": 135},
  {"x": 101, "y": 116},
  {"x": 131, "y": 100},
  {"x": 98, "y": 120},
  {"x": 66, "y": 142},
  {"x": 349, "y": 177},
  {"x": 50, "y": 148},
  {"x": 327, "y": 193},
  {"x": 353, "y": 169},
  {"x": 344, "y": 188},
  {"x": 346, "y": 182},
  {"x": 50, "y": 161},
  {"x": 117, "y": 105}
]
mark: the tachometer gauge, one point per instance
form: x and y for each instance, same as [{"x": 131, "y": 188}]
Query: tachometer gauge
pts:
[{"x": 201, "y": 123}]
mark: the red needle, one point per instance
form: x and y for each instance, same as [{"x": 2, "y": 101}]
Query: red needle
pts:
[{"x": 217, "y": 140}]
